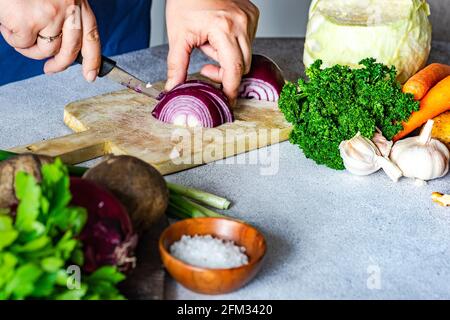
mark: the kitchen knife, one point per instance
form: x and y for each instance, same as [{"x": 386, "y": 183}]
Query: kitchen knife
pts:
[{"x": 110, "y": 70}]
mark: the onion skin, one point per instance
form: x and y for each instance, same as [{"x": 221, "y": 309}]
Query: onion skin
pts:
[
  {"x": 194, "y": 103},
  {"x": 264, "y": 81},
  {"x": 108, "y": 237}
]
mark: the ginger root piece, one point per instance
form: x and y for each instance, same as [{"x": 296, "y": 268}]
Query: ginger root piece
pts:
[
  {"x": 441, "y": 129},
  {"x": 441, "y": 199}
]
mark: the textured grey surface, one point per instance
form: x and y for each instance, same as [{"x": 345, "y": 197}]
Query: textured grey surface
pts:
[
  {"x": 329, "y": 233},
  {"x": 440, "y": 16}
]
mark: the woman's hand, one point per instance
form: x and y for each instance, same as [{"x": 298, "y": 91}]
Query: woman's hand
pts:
[
  {"x": 223, "y": 29},
  {"x": 41, "y": 29}
]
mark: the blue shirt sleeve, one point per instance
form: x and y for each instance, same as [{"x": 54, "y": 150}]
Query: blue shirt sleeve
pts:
[{"x": 124, "y": 26}]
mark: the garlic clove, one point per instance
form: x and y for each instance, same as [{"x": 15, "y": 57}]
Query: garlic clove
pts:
[
  {"x": 383, "y": 144},
  {"x": 362, "y": 157},
  {"x": 358, "y": 156},
  {"x": 390, "y": 168}
]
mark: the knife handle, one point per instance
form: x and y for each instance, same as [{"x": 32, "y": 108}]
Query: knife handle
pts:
[{"x": 105, "y": 68}]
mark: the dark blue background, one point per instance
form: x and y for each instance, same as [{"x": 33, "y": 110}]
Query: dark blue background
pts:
[{"x": 124, "y": 26}]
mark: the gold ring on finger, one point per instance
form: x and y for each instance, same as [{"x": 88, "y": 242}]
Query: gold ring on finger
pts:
[{"x": 50, "y": 39}]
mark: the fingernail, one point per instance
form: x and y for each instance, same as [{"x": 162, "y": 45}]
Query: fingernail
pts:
[{"x": 91, "y": 76}]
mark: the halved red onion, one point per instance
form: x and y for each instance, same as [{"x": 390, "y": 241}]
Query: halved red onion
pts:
[
  {"x": 264, "y": 81},
  {"x": 194, "y": 104}
]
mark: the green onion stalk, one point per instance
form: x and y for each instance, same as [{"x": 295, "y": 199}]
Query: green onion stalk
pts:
[
  {"x": 184, "y": 202},
  {"x": 200, "y": 196}
]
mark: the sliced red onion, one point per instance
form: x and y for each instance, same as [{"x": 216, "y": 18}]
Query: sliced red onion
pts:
[
  {"x": 194, "y": 104},
  {"x": 264, "y": 81}
]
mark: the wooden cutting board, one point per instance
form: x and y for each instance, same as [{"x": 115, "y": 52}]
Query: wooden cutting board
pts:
[{"x": 121, "y": 123}]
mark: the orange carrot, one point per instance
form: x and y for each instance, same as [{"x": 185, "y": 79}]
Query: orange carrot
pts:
[
  {"x": 420, "y": 83},
  {"x": 433, "y": 104}
]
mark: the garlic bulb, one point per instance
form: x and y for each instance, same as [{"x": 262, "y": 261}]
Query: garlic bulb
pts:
[
  {"x": 421, "y": 157},
  {"x": 362, "y": 157}
]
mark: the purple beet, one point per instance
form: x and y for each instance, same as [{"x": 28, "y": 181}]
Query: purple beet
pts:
[{"x": 108, "y": 237}]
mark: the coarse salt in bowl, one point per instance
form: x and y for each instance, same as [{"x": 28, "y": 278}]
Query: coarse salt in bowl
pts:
[
  {"x": 209, "y": 252},
  {"x": 227, "y": 270}
]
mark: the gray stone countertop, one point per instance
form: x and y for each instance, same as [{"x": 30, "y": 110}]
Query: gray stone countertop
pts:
[{"x": 330, "y": 234}]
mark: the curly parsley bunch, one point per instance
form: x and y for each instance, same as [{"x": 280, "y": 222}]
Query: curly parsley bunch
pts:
[{"x": 338, "y": 102}]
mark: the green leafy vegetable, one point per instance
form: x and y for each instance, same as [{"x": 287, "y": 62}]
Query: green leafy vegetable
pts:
[
  {"x": 38, "y": 245},
  {"x": 338, "y": 102}
]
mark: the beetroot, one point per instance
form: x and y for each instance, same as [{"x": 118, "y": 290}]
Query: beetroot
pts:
[{"x": 108, "y": 237}]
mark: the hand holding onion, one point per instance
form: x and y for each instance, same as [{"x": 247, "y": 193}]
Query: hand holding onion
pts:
[
  {"x": 223, "y": 29},
  {"x": 200, "y": 104}
]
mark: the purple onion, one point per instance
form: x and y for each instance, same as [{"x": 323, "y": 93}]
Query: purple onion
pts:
[
  {"x": 192, "y": 104},
  {"x": 264, "y": 81}
]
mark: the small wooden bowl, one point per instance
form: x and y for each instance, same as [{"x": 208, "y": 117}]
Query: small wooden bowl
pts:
[{"x": 213, "y": 281}]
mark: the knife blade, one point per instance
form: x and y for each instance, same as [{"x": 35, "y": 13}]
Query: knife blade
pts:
[{"x": 110, "y": 70}]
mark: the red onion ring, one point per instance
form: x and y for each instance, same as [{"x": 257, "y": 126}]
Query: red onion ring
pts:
[
  {"x": 194, "y": 103},
  {"x": 264, "y": 81}
]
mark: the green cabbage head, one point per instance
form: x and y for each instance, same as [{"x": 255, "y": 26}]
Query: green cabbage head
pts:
[{"x": 394, "y": 32}]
